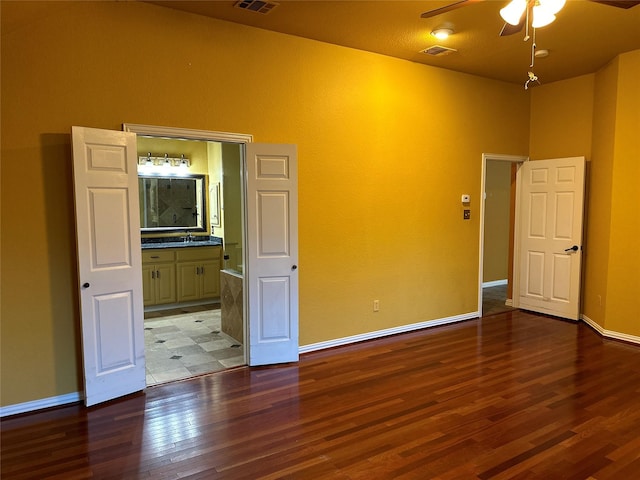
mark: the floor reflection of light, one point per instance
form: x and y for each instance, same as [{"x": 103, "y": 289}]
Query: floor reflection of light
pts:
[{"x": 164, "y": 429}]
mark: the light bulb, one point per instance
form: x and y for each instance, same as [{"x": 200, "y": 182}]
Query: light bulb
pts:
[{"x": 442, "y": 33}]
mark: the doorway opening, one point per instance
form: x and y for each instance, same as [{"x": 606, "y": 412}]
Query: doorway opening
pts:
[
  {"x": 200, "y": 328},
  {"x": 497, "y": 282},
  {"x": 106, "y": 188}
]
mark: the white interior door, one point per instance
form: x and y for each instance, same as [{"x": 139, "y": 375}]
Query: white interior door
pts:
[
  {"x": 550, "y": 235},
  {"x": 272, "y": 251},
  {"x": 109, "y": 262}
]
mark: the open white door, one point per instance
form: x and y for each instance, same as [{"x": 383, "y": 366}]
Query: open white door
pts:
[
  {"x": 550, "y": 235},
  {"x": 272, "y": 250},
  {"x": 109, "y": 262}
]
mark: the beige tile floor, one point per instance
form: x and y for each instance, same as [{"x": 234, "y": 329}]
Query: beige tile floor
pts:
[{"x": 186, "y": 344}]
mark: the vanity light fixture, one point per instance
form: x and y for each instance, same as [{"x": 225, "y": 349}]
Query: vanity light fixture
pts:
[
  {"x": 151, "y": 162},
  {"x": 442, "y": 33}
]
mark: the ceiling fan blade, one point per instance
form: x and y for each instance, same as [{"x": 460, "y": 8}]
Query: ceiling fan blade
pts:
[
  {"x": 447, "y": 8},
  {"x": 509, "y": 29}
]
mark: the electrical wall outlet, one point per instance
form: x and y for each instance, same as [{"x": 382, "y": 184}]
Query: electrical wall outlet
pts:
[
  {"x": 466, "y": 214},
  {"x": 376, "y": 305}
]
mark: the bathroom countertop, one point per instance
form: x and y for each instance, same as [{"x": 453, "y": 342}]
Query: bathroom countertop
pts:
[{"x": 178, "y": 242}]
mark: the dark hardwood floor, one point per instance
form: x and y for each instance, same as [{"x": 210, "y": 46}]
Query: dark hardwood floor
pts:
[{"x": 510, "y": 396}]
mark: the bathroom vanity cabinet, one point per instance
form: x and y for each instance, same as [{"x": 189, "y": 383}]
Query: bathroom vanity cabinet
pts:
[
  {"x": 158, "y": 277},
  {"x": 198, "y": 272},
  {"x": 177, "y": 275}
]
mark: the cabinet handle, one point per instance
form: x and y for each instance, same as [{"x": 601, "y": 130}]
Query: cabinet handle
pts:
[
  {"x": 202, "y": 270},
  {"x": 157, "y": 273},
  {"x": 153, "y": 274},
  {"x": 155, "y": 256}
]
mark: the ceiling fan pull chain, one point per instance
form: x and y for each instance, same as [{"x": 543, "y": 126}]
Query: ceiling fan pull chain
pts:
[{"x": 533, "y": 49}]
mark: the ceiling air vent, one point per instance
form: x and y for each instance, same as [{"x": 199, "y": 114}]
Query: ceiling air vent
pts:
[
  {"x": 438, "y": 50},
  {"x": 258, "y": 6}
]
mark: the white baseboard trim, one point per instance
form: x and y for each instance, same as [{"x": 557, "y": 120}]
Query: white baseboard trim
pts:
[
  {"x": 77, "y": 396},
  {"x": 509, "y": 302},
  {"x": 610, "y": 333},
  {"x": 494, "y": 283},
  {"x": 40, "y": 404},
  {"x": 386, "y": 332}
]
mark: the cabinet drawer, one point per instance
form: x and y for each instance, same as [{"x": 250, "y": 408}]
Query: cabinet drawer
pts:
[
  {"x": 198, "y": 253},
  {"x": 159, "y": 255}
]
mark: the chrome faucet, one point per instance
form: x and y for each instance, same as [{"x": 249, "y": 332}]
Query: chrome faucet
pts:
[{"x": 188, "y": 238}]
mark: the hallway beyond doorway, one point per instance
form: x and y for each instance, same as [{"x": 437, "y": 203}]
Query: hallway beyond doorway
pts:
[{"x": 494, "y": 300}]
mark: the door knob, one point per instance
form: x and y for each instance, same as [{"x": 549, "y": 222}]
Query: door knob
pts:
[
  {"x": 86, "y": 285},
  {"x": 294, "y": 267},
  {"x": 574, "y": 249}
]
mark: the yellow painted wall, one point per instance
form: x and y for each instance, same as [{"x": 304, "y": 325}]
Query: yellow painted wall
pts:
[
  {"x": 380, "y": 176},
  {"x": 566, "y": 132},
  {"x": 600, "y": 117},
  {"x": 599, "y": 181},
  {"x": 623, "y": 292},
  {"x": 561, "y": 119},
  {"x": 496, "y": 220}
]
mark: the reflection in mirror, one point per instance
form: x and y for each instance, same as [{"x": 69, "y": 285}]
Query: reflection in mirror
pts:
[{"x": 172, "y": 203}]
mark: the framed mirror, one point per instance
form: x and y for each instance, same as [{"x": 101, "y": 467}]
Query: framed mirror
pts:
[{"x": 172, "y": 203}]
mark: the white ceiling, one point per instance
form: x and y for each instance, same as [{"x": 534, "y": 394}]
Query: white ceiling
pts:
[{"x": 585, "y": 36}]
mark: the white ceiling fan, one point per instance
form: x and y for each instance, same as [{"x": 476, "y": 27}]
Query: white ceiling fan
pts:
[
  {"x": 516, "y": 13},
  {"x": 530, "y": 14}
]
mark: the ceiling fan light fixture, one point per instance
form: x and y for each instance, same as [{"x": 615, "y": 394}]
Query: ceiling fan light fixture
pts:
[
  {"x": 541, "y": 17},
  {"x": 442, "y": 33},
  {"x": 513, "y": 12}
]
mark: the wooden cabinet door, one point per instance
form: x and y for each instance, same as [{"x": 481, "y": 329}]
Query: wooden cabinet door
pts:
[
  {"x": 165, "y": 283},
  {"x": 188, "y": 281},
  {"x": 148, "y": 285},
  {"x": 210, "y": 276}
]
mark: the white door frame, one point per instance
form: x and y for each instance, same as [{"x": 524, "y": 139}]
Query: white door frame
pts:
[
  {"x": 210, "y": 136},
  {"x": 516, "y": 268}
]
